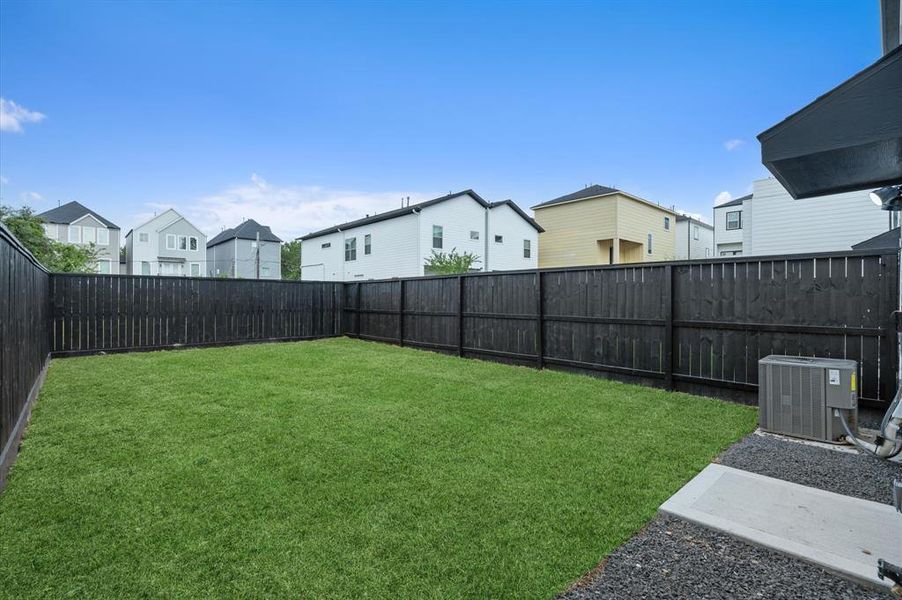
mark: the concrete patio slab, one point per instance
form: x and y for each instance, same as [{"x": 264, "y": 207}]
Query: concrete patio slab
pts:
[{"x": 842, "y": 534}]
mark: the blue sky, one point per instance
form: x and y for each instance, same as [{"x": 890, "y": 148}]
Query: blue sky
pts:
[{"x": 303, "y": 114}]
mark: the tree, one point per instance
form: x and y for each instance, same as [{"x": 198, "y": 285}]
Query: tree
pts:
[
  {"x": 440, "y": 263},
  {"x": 291, "y": 260},
  {"x": 64, "y": 258}
]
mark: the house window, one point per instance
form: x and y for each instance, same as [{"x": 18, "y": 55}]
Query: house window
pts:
[
  {"x": 437, "y": 236},
  {"x": 103, "y": 267},
  {"x": 143, "y": 237},
  {"x": 707, "y": 252},
  {"x": 145, "y": 268},
  {"x": 88, "y": 235},
  {"x": 195, "y": 269},
  {"x": 649, "y": 244},
  {"x": 103, "y": 236},
  {"x": 253, "y": 244},
  {"x": 527, "y": 249},
  {"x": 695, "y": 232},
  {"x": 367, "y": 244},
  {"x": 474, "y": 235},
  {"x": 50, "y": 230},
  {"x": 667, "y": 223},
  {"x": 170, "y": 241},
  {"x": 183, "y": 242},
  {"x": 351, "y": 249},
  {"x": 734, "y": 220},
  {"x": 74, "y": 234},
  {"x": 264, "y": 271},
  {"x": 499, "y": 239},
  {"x": 326, "y": 245},
  {"x": 192, "y": 243}
]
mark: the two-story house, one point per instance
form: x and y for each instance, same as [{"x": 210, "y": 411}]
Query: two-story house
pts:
[
  {"x": 248, "y": 251},
  {"x": 601, "y": 225},
  {"x": 694, "y": 238},
  {"x": 73, "y": 223},
  {"x": 770, "y": 221},
  {"x": 167, "y": 244},
  {"x": 398, "y": 243}
]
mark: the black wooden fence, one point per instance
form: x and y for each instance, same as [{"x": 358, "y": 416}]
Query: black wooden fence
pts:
[
  {"x": 698, "y": 326},
  {"x": 114, "y": 313},
  {"x": 24, "y": 340}
]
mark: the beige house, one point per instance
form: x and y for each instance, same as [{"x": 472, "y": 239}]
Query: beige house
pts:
[{"x": 600, "y": 225}]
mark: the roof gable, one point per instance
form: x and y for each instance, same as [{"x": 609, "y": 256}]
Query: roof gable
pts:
[
  {"x": 71, "y": 212},
  {"x": 734, "y": 201},
  {"x": 248, "y": 230},
  {"x": 599, "y": 191},
  {"x": 513, "y": 206}
]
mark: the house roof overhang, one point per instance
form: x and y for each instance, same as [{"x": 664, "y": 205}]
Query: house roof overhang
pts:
[{"x": 848, "y": 139}]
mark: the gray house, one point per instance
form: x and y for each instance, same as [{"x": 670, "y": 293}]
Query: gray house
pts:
[
  {"x": 248, "y": 251},
  {"x": 73, "y": 223}
]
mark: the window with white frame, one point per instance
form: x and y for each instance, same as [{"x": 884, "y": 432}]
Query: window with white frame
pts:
[
  {"x": 264, "y": 271},
  {"x": 326, "y": 245},
  {"x": 351, "y": 249},
  {"x": 143, "y": 237},
  {"x": 183, "y": 242},
  {"x": 195, "y": 269},
  {"x": 103, "y": 236},
  {"x": 649, "y": 243},
  {"x": 170, "y": 241},
  {"x": 145, "y": 268},
  {"x": 437, "y": 236},
  {"x": 734, "y": 220},
  {"x": 50, "y": 230},
  {"x": 367, "y": 244},
  {"x": 667, "y": 223},
  {"x": 499, "y": 239},
  {"x": 103, "y": 267},
  {"x": 88, "y": 235},
  {"x": 192, "y": 243},
  {"x": 527, "y": 248},
  {"x": 695, "y": 232},
  {"x": 474, "y": 235},
  {"x": 74, "y": 234}
]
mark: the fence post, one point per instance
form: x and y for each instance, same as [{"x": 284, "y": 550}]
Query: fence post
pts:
[
  {"x": 401, "y": 314},
  {"x": 460, "y": 315},
  {"x": 668, "y": 327},
  {"x": 357, "y": 313},
  {"x": 540, "y": 326}
]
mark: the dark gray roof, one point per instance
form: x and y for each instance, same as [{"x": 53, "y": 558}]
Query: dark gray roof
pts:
[
  {"x": 415, "y": 207},
  {"x": 589, "y": 192},
  {"x": 246, "y": 231},
  {"x": 888, "y": 240},
  {"x": 694, "y": 220},
  {"x": 734, "y": 201},
  {"x": 71, "y": 211}
]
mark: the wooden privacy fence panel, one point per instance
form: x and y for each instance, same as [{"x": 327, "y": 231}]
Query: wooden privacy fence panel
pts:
[
  {"x": 24, "y": 339},
  {"x": 699, "y": 326},
  {"x": 92, "y": 313}
]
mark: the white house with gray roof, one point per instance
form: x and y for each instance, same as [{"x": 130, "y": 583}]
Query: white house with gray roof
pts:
[
  {"x": 397, "y": 243},
  {"x": 168, "y": 244},
  {"x": 73, "y": 223},
  {"x": 248, "y": 251}
]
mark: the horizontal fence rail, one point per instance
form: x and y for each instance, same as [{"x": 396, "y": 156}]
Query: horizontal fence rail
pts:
[
  {"x": 698, "y": 326},
  {"x": 109, "y": 313},
  {"x": 24, "y": 340}
]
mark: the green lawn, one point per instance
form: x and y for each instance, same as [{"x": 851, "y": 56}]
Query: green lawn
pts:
[{"x": 337, "y": 468}]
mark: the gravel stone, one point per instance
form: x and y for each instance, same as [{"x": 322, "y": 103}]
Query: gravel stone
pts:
[
  {"x": 672, "y": 558},
  {"x": 857, "y": 475}
]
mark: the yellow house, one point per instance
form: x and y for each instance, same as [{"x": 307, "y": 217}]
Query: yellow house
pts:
[{"x": 601, "y": 226}]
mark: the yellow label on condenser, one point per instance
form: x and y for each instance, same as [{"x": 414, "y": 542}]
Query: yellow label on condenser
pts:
[{"x": 853, "y": 386}]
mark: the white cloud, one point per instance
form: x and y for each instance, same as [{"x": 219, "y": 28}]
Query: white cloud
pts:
[
  {"x": 31, "y": 197},
  {"x": 731, "y": 145},
  {"x": 722, "y": 197},
  {"x": 13, "y": 116},
  {"x": 290, "y": 211},
  {"x": 3, "y": 180}
]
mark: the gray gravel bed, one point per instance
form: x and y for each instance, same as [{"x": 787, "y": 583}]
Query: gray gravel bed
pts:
[
  {"x": 672, "y": 558},
  {"x": 845, "y": 473}
]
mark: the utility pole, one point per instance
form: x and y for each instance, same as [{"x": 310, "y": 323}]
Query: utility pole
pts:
[{"x": 258, "y": 255}]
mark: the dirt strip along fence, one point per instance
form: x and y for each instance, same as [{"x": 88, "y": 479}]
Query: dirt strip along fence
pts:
[
  {"x": 697, "y": 326},
  {"x": 115, "y": 313},
  {"x": 24, "y": 340}
]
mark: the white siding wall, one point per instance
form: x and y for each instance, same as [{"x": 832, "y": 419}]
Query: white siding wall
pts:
[
  {"x": 689, "y": 248},
  {"x": 730, "y": 240},
  {"x": 508, "y": 255},
  {"x": 154, "y": 249},
  {"x": 457, "y": 217},
  {"x": 782, "y": 225}
]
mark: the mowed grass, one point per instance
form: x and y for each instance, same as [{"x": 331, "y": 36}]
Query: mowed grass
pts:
[{"x": 337, "y": 468}]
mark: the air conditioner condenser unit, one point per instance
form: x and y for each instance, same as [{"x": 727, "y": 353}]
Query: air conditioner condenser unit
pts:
[{"x": 797, "y": 396}]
